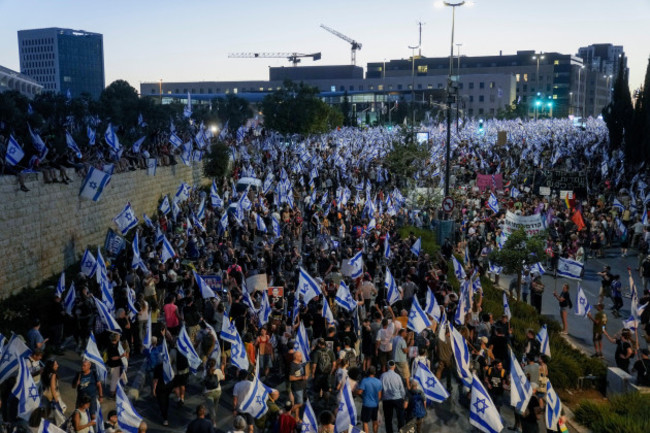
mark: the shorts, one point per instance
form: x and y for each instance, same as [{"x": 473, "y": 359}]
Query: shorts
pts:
[
  {"x": 298, "y": 396},
  {"x": 248, "y": 417},
  {"x": 403, "y": 369},
  {"x": 605, "y": 291},
  {"x": 322, "y": 383},
  {"x": 181, "y": 379},
  {"x": 265, "y": 362},
  {"x": 369, "y": 413},
  {"x": 598, "y": 336}
]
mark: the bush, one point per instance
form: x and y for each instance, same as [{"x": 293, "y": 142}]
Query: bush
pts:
[
  {"x": 624, "y": 413},
  {"x": 428, "y": 237}
]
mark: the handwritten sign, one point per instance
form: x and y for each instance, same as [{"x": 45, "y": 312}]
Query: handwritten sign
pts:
[{"x": 532, "y": 224}]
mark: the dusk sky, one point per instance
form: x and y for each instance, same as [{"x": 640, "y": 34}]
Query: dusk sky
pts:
[{"x": 189, "y": 40}]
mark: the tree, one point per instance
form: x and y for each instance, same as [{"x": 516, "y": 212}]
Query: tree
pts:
[
  {"x": 217, "y": 162},
  {"x": 516, "y": 110},
  {"x": 406, "y": 156},
  {"x": 519, "y": 250},
  {"x": 120, "y": 104},
  {"x": 296, "y": 109},
  {"x": 232, "y": 109},
  {"x": 642, "y": 118},
  {"x": 618, "y": 115},
  {"x": 348, "y": 118}
]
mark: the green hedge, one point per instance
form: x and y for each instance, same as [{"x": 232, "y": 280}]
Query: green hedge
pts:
[
  {"x": 623, "y": 413},
  {"x": 567, "y": 364}
]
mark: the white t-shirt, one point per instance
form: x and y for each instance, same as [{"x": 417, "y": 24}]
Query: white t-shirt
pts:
[
  {"x": 240, "y": 390},
  {"x": 385, "y": 338}
]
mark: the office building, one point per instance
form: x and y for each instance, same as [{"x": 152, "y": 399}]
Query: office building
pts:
[
  {"x": 602, "y": 62},
  {"x": 12, "y": 80},
  {"x": 63, "y": 60}
]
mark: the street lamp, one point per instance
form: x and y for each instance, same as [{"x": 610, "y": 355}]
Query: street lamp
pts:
[
  {"x": 579, "y": 95},
  {"x": 458, "y": 87},
  {"x": 450, "y": 98},
  {"x": 537, "y": 57}
]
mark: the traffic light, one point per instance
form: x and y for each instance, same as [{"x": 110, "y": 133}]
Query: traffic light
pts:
[{"x": 480, "y": 125}]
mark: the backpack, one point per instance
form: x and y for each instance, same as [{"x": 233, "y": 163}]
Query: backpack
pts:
[
  {"x": 68, "y": 424},
  {"x": 324, "y": 363},
  {"x": 351, "y": 358}
]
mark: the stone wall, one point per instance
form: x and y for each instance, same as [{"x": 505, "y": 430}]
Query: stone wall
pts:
[{"x": 47, "y": 229}]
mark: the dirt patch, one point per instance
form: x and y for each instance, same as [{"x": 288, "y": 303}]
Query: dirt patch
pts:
[{"x": 572, "y": 398}]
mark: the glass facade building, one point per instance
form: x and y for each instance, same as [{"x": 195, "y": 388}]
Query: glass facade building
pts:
[{"x": 63, "y": 60}]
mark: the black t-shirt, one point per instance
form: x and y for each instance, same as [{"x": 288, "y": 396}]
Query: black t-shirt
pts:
[
  {"x": 297, "y": 370},
  {"x": 530, "y": 416},
  {"x": 191, "y": 315},
  {"x": 642, "y": 368},
  {"x": 111, "y": 352}
]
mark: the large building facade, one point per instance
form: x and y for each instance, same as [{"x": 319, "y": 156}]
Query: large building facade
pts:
[
  {"x": 63, "y": 60},
  {"x": 12, "y": 80}
]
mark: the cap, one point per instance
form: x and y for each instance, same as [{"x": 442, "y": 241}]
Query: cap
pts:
[{"x": 391, "y": 363}]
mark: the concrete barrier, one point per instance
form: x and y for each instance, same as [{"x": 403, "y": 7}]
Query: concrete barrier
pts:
[{"x": 618, "y": 381}]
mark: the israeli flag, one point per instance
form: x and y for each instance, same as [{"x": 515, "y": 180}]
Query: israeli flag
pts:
[
  {"x": 206, "y": 291},
  {"x": 185, "y": 346},
  {"x": 346, "y": 415},
  {"x": 90, "y": 132},
  {"x": 148, "y": 221},
  {"x": 259, "y": 222},
  {"x": 60, "y": 287},
  {"x": 15, "y": 350},
  {"x": 553, "y": 407},
  {"x": 228, "y": 330},
  {"x": 25, "y": 391},
  {"x": 47, "y": 427},
  {"x": 542, "y": 337},
  {"x": 309, "y": 423},
  {"x": 462, "y": 356},
  {"x": 265, "y": 310},
  {"x": 275, "y": 224},
  {"x": 183, "y": 193},
  {"x": 514, "y": 192},
  {"x": 127, "y": 418},
  {"x": 483, "y": 414},
  {"x": 415, "y": 249},
  {"x": 254, "y": 402},
  {"x": 431, "y": 386},
  {"x": 506, "y": 306},
  {"x": 495, "y": 269},
  {"x": 307, "y": 286},
  {"x": 146, "y": 340},
  {"x": 537, "y": 268},
  {"x": 238, "y": 355},
  {"x": 493, "y": 203},
  {"x": 582, "y": 304},
  {"x": 458, "y": 269},
  {"x": 15, "y": 153},
  {"x": 327, "y": 312},
  {"x": 392, "y": 291},
  {"x": 72, "y": 144},
  {"x": 344, "y": 298},
  {"x": 644, "y": 218},
  {"x": 223, "y": 221},
  {"x": 568, "y": 268},
  {"x": 356, "y": 265},
  {"x": 68, "y": 301},
  {"x": 165, "y": 207},
  {"x": 217, "y": 202},
  {"x": 106, "y": 316},
  {"x": 138, "y": 145},
  {"x": 466, "y": 257},
  {"x": 386, "y": 246},
  {"x": 111, "y": 138},
  {"x": 618, "y": 205},
  {"x": 93, "y": 355},
  {"x": 176, "y": 210},
  {"x": 126, "y": 219},
  {"x": 94, "y": 184},
  {"x": 432, "y": 308},
  {"x": 175, "y": 140},
  {"x": 302, "y": 343},
  {"x": 418, "y": 320},
  {"x": 520, "y": 389},
  {"x": 167, "y": 250}
]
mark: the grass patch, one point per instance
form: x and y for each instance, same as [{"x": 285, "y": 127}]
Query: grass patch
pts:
[{"x": 624, "y": 413}]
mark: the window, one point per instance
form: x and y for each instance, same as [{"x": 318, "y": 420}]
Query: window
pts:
[
  {"x": 557, "y": 62},
  {"x": 481, "y": 98},
  {"x": 480, "y": 111},
  {"x": 460, "y": 86},
  {"x": 470, "y": 112},
  {"x": 525, "y": 78},
  {"x": 492, "y": 84},
  {"x": 332, "y": 88},
  {"x": 471, "y": 98},
  {"x": 200, "y": 90},
  {"x": 184, "y": 90},
  {"x": 492, "y": 98},
  {"x": 379, "y": 87},
  {"x": 419, "y": 86},
  {"x": 429, "y": 86},
  {"x": 399, "y": 87},
  {"x": 471, "y": 85},
  {"x": 439, "y": 85},
  {"x": 371, "y": 87},
  {"x": 554, "y": 96},
  {"x": 422, "y": 69},
  {"x": 481, "y": 85}
]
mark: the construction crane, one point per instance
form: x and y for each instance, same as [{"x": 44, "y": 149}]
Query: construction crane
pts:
[
  {"x": 292, "y": 57},
  {"x": 354, "y": 44}
]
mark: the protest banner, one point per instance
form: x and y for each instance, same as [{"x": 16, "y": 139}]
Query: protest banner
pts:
[
  {"x": 256, "y": 282},
  {"x": 532, "y": 224},
  {"x": 213, "y": 281},
  {"x": 113, "y": 243},
  {"x": 502, "y": 138},
  {"x": 575, "y": 181}
]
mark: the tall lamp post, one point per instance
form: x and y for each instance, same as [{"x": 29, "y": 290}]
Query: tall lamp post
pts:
[
  {"x": 537, "y": 57},
  {"x": 450, "y": 97},
  {"x": 579, "y": 95},
  {"x": 458, "y": 87}
]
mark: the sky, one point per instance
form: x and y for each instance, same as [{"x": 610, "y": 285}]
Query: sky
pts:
[{"x": 189, "y": 40}]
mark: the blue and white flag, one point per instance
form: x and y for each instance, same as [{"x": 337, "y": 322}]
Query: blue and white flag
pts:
[
  {"x": 111, "y": 138},
  {"x": 495, "y": 269},
  {"x": 13, "y": 351},
  {"x": 206, "y": 291},
  {"x": 307, "y": 286},
  {"x": 146, "y": 339},
  {"x": 553, "y": 407},
  {"x": 356, "y": 265},
  {"x": 165, "y": 207},
  {"x": 176, "y": 210},
  {"x": 254, "y": 402},
  {"x": 260, "y": 224},
  {"x": 309, "y": 422},
  {"x": 432, "y": 308},
  {"x": 183, "y": 193},
  {"x": 462, "y": 357},
  {"x": 148, "y": 221},
  {"x": 94, "y": 184},
  {"x": 14, "y": 153},
  {"x": 228, "y": 330},
  {"x": 265, "y": 309},
  {"x": 415, "y": 248},
  {"x": 458, "y": 269},
  {"x": 47, "y": 427},
  {"x": 520, "y": 389},
  {"x": 127, "y": 418},
  {"x": 387, "y": 246},
  {"x": 537, "y": 268},
  {"x": 344, "y": 298},
  {"x": 138, "y": 145},
  {"x": 187, "y": 110},
  {"x": 431, "y": 386},
  {"x": 582, "y": 303},
  {"x": 483, "y": 414},
  {"x": 544, "y": 346},
  {"x": 126, "y": 219},
  {"x": 418, "y": 320},
  {"x": 167, "y": 250},
  {"x": 106, "y": 316},
  {"x": 25, "y": 391},
  {"x": 514, "y": 192},
  {"x": 618, "y": 205},
  {"x": 238, "y": 355},
  {"x": 90, "y": 132},
  {"x": 217, "y": 202},
  {"x": 466, "y": 259},
  {"x": 327, "y": 313},
  {"x": 392, "y": 291},
  {"x": 185, "y": 346},
  {"x": 72, "y": 144},
  {"x": 200, "y": 212},
  {"x": 60, "y": 287},
  {"x": 346, "y": 415},
  {"x": 506, "y": 306},
  {"x": 68, "y": 301},
  {"x": 152, "y": 166},
  {"x": 493, "y": 203},
  {"x": 568, "y": 268},
  {"x": 223, "y": 221},
  {"x": 93, "y": 355},
  {"x": 302, "y": 343}
]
